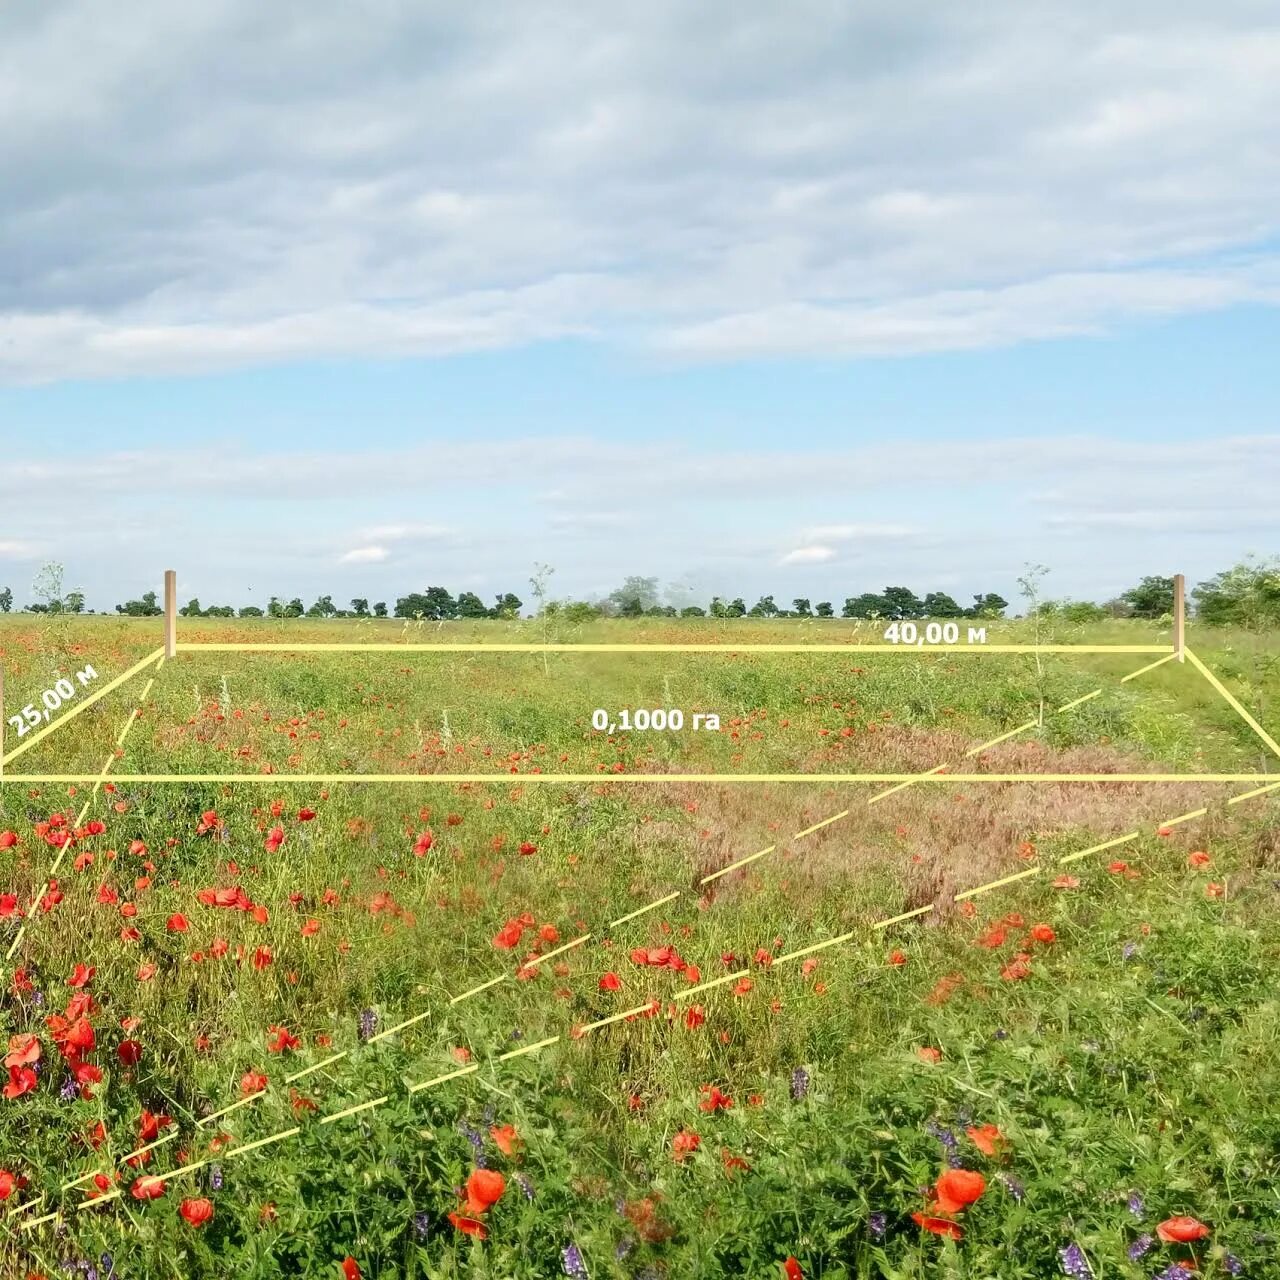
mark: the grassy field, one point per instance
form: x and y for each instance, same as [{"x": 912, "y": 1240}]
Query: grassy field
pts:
[{"x": 408, "y": 1029}]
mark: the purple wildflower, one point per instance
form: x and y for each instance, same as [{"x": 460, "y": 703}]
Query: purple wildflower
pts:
[
  {"x": 1140, "y": 1247},
  {"x": 476, "y": 1140},
  {"x": 525, "y": 1186},
  {"x": 574, "y": 1267},
  {"x": 623, "y": 1247},
  {"x": 368, "y": 1024},
  {"x": 1136, "y": 1207},
  {"x": 799, "y": 1084},
  {"x": 877, "y": 1224},
  {"x": 1129, "y": 950},
  {"x": 421, "y": 1224},
  {"x": 1233, "y": 1265},
  {"x": 1014, "y": 1187},
  {"x": 215, "y": 1177},
  {"x": 1074, "y": 1263},
  {"x": 1176, "y": 1271},
  {"x": 70, "y": 1089}
]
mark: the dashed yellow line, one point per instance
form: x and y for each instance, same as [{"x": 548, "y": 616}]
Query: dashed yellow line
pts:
[
  {"x": 671, "y": 897},
  {"x": 1234, "y": 703}
]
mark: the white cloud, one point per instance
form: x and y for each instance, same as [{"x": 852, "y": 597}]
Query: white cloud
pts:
[
  {"x": 407, "y": 533},
  {"x": 869, "y": 179},
  {"x": 364, "y": 555},
  {"x": 808, "y": 555},
  {"x": 13, "y": 550},
  {"x": 859, "y": 532}
]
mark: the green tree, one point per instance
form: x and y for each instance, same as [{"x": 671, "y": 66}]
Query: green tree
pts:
[
  {"x": 764, "y": 608},
  {"x": 294, "y": 609},
  {"x": 192, "y": 609},
  {"x": 736, "y": 608},
  {"x": 360, "y": 607},
  {"x": 802, "y": 607},
  {"x": 144, "y": 608},
  {"x": 6, "y": 600},
  {"x": 902, "y": 602},
  {"x": 323, "y": 608},
  {"x": 718, "y": 608},
  {"x": 636, "y": 596},
  {"x": 220, "y": 611},
  {"x": 989, "y": 605},
  {"x": 1151, "y": 598},
  {"x": 251, "y": 611},
  {"x": 274, "y": 608},
  {"x": 380, "y": 609},
  {"x": 693, "y": 611},
  {"x": 471, "y": 606},
  {"x": 937, "y": 604},
  {"x": 507, "y": 606},
  {"x": 825, "y": 610},
  {"x": 867, "y": 605},
  {"x": 74, "y": 602},
  {"x": 1246, "y": 595}
]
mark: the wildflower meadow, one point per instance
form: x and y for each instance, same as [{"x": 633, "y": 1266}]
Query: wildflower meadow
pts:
[{"x": 582, "y": 1014}]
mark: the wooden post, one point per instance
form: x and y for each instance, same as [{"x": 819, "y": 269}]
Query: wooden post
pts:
[
  {"x": 1, "y": 722},
  {"x": 1180, "y": 616},
  {"x": 170, "y": 613}
]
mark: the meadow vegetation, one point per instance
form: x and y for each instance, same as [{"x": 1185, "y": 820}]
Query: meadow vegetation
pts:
[{"x": 1031, "y": 1082}]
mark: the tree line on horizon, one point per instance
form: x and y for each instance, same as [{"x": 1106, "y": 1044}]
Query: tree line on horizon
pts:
[{"x": 1248, "y": 592}]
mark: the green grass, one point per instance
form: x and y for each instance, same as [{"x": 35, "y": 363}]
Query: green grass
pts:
[{"x": 1108, "y": 1070}]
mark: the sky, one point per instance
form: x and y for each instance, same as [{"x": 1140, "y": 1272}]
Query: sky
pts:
[{"x": 803, "y": 300}]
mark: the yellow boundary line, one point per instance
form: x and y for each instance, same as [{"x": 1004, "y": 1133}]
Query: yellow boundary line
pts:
[
  {"x": 392, "y": 647},
  {"x": 1233, "y": 703},
  {"x": 551, "y": 779},
  {"x": 79, "y": 709}
]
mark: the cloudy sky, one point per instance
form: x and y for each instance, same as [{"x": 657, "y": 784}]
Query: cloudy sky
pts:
[{"x": 804, "y": 298}]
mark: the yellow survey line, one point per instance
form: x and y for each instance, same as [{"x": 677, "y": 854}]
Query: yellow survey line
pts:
[
  {"x": 1013, "y": 733},
  {"x": 553, "y": 779},
  {"x": 449, "y": 1075},
  {"x": 80, "y": 708},
  {"x": 351, "y": 1111},
  {"x": 1066, "y": 706},
  {"x": 1151, "y": 666},
  {"x": 671, "y": 897},
  {"x": 392, "y": 647},
  {"x": 1233, "y": 703},
  {"x": 476, "y": 990},
  {"x": 528, "y": 1048}
]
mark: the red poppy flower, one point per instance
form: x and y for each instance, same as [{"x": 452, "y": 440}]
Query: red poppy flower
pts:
[
  {"x": 350, "y": 1268},
  {"x": 484, "y": 1190},
  {"x": 81, "y": 975},
  {"x": 469, "y": 1226},
  {"x": 684, "y": 1144},
  {"x": 505, "y": 1138},
  {"x": 252, "y": 1082},
  {"x": 305, "y": 815},
  {"x": 1198, "y": 858},
  {"x": 956, "y": 1189},
  {"x": 714, "y": 1100},
  {"x": 988, "y": 1139},
  {"x": 8, "y": 839},
  {"x": 694, "y": 1017},
  {"x": 927, "y": 1053},
  {"x": 147, "y": 1187},
  {"x": 21, "y": 1080},
  {"x": 197, "y": 1212},
  {"x": 1181, "y": 1230},
  {"x": 7, "y": 1183},
  {"x": 1066, "y": 882},
  {"x": 610, "y": 982},
  {"x": 24, "y": 1051},
  {"x": 791, "y": 1269},
  {"x": 281, "y": 1038},
  {"x": 939, "y": 1226}
]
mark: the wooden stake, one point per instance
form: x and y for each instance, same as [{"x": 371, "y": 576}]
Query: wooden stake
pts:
[
  {"x": 170, "y": 613},
  {"x": 1180, "y": 616}
]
